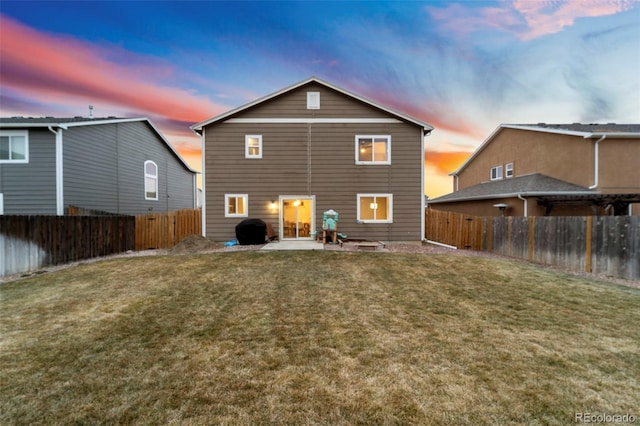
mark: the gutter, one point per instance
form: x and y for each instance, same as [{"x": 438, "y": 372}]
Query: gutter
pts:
[
  {"x": 511, "y": 195},
  {"x": 596, "y": 162}
]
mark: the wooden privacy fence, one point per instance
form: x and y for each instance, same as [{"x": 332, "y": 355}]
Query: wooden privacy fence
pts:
[
  {"x": 28, "y": 243},
  {"x": 608, "y": 245},
  {"x": 31, "y": 242},
  {"x": 455, "y": 229},
  {"x": 165, "y": 230}
]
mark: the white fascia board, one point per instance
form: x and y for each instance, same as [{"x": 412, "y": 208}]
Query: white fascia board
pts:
[
  {"x": 513, "y": 195},
  {"x": 613, "y": 135},
  {"x": 585, "y": 135},
  {"x": 478, "y": 150},
  {"x": 107, "y": 121},
  {"x": 25, "y": 125},
  {"x": 198, "y": 126},
  {"x": 102, "y": 122},
  {"x": 168, "y": 144},
  {"x": 547, "y": 130},
  {"x": 131, "y": 120},
  {"x": 311, "y": 120}
]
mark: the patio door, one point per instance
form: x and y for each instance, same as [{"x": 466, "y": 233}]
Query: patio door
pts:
[{"x": 297, "y": 217}]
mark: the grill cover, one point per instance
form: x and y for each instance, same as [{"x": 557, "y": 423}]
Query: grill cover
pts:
[{"x": 251, "y": 231}]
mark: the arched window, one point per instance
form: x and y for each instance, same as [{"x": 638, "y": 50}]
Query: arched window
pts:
[{"x": 150, "y": 180}]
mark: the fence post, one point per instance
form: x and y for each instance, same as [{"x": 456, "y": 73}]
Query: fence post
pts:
[
  {"x": 587, "y": 242},
  {"x": 531, "y": 238}
]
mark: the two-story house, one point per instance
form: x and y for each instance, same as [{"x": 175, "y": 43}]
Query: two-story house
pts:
[
  {"x": 115, "y": 165},
  {"x": 310, "y": 147},
  {"x": 550, "y": 169}
]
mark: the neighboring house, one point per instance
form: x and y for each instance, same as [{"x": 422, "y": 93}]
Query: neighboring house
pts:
[
  {"x": 116, "y": 165},
  {"x": 290, "y": 156},
  {"x": 550, "y": 169}
]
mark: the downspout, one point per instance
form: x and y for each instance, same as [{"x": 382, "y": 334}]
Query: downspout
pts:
[
  {"x": 203, "y": 209},
  {"x": 423, "y": 230},
  {"x": 59, "y": 175},
  {"x": 525, "y": 204},
  {"x": 595, "y": 153},
  {"x": 457, "y": 183}
]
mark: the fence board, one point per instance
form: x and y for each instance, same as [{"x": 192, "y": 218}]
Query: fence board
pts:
[
  {"x": 31, "y": 242},
  {"x": 608, "y": 245},
  {"x": 462, "y": 231},
  {"x": 165, "y": 230}
]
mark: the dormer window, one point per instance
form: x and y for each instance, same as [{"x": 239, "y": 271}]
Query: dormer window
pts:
[{"x": 313, "y": 100}]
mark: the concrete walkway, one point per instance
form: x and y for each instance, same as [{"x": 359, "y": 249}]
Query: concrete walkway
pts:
[{"x": 293, "y": 245}]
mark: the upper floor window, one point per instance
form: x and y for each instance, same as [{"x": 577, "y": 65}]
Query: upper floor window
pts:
[
  {"x": 236, "y": 205},
  {"x": 14, "y": 146},
  {"x": 253, "y": 146},
  {"x": 373, "y": 149},
  {"x": 313, "y": 100},
  {"x": 150, "y": 180},
  {"x": 508, "y": 170},
  {"x": 496, "y": 173},
  {"x": 375, "y": 208}
]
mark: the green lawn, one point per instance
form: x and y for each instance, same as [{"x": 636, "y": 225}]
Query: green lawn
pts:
[{"x": 315, "y": 338}]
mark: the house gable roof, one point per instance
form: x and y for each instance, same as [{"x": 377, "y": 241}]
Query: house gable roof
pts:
[
  {"x": 535, "y": 184},
  {"x": 68, "y": 122},
  {"x": 199, "y": 126},
  {"x": 585, "y": 131}
]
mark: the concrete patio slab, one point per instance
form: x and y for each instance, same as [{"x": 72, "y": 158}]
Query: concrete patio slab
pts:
[{"x": 293, "y": 245}]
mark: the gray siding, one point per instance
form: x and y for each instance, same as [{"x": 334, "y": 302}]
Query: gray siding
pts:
[
  {"x": 31, "y": 188},
  {"x": 104, "y": 170},
  {"x": 89, "y": 169},
  {"x": 314, "y": 159},
  {"x": 332, "y": 104}
]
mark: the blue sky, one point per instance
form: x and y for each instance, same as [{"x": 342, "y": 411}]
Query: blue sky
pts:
[{"x": 464, "y": 67}]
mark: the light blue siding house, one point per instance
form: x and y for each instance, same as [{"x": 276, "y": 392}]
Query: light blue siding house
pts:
[{"x": 116, "y": 165}]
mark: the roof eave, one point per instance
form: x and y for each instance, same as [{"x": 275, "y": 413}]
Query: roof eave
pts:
[
  {"x": 98, "y": 122},
  {"x": 425, "y": 126},
  {"x": 613, "y": 135},
  {"x": 514, "y": 195}
]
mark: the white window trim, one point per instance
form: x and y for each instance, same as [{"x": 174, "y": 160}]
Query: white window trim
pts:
[
  {"x": 1, "y": 204},
  {"x": 25, "y": 134},
  {"x": 373, "y": 162},
  {"x": 313, "y": 100},
  {"x": 226, "y": 205},
  {"x": 389, "y": 197},
  {"x": 155, "y": 177},
  {"x": 246, "y": 146},
  {"x": 508, "y": 170},
  {"x": 497, "y": 169}
]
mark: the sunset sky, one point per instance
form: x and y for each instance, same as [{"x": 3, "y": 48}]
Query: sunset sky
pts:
[{"x": 465, "y": 67}]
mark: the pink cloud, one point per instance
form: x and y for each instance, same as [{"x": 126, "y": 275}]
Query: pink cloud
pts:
[
  {"x": 46, "y": 67},
  {"x": 526, "y": 19}
]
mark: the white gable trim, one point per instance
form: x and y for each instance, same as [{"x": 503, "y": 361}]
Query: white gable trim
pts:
[
  {"x": 311, "y": 120},
  {"x": 198, "y": 126}
]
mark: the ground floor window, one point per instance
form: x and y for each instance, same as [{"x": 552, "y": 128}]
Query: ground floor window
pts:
[
  {"x": 236, "y": 205},
  {"x": 375, "y": 208}
]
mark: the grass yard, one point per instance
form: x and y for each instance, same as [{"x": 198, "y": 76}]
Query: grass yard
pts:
[{"x": 324, "y": 338}]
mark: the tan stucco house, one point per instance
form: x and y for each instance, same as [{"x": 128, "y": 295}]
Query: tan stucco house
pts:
[
  {"x": 290, "y": 156},
  {"x": 550, "y": 169}
]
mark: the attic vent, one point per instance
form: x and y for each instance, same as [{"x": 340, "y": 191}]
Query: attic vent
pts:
[{"x": 313, "y": 100}]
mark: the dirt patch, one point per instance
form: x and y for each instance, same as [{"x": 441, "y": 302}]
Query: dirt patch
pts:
[{"x": 194, "y": 244}]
